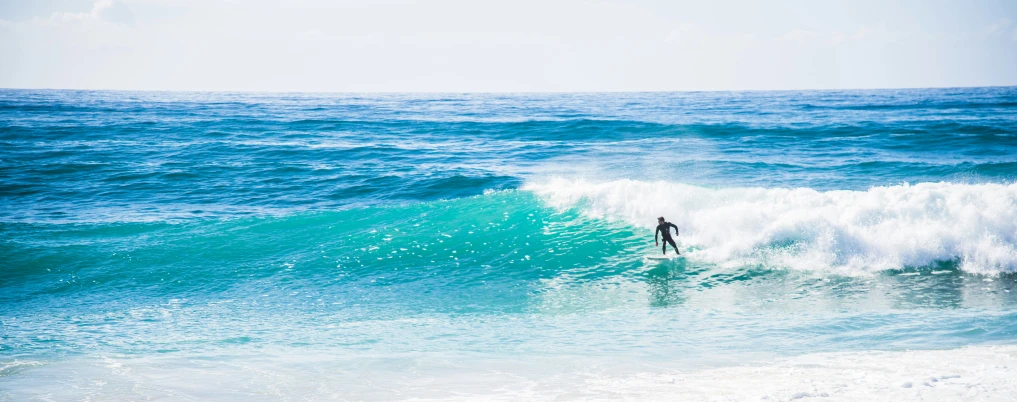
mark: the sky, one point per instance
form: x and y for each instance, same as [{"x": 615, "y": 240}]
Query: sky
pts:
[{"x": 505, "y": 46}]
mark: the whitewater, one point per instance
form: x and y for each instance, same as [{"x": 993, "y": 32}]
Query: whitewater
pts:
[
  {"x": 838, "y": 245},
  {"x": 847, "y": 232}
]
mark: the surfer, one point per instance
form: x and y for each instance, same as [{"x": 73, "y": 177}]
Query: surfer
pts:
[{"x": 664, "y": 227}]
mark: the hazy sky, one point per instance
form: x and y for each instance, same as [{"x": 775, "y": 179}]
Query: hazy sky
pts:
[{"x": 570, "y": 45}]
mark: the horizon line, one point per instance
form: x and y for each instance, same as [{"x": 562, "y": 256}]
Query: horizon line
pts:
[{"x": 503, "y": 92}]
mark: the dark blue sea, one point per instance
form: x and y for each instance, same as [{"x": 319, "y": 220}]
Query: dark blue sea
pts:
[{"x": 300, "y": 246}]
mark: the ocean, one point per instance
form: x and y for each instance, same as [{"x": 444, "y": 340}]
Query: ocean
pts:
[{"x": 845, "y": 245}]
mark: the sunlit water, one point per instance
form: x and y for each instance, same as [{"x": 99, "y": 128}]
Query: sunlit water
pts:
[{"x": 316, "y": 246}]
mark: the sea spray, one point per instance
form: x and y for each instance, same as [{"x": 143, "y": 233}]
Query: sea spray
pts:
[
  {"x": 170, "y": 245},
  {"x": 850, "y": 232}
]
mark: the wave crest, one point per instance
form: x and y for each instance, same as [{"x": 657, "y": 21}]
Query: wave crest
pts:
[{"x": 883, "y": 228}]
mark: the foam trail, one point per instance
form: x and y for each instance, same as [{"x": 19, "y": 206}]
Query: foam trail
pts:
[
  {"x": 852, "y": 232},
  {"x": 915, "y": 375},
  {"x": 971, "y": 373}
]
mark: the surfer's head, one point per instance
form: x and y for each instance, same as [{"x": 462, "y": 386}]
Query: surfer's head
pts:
[{"x": 660, "y": 219}]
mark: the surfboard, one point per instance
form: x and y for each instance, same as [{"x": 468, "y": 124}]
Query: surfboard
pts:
[{"x": 662, "y": 257}]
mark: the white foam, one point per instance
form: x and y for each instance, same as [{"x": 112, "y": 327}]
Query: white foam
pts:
[
  {"x": 850, "y": 231},
  {"x": 983, "y": 373}
]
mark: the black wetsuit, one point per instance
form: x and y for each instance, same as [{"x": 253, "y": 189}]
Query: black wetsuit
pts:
[{"x": 665, "y": 229}]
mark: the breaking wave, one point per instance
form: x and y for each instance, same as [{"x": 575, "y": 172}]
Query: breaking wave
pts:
[{"x": 882, "y": 228}]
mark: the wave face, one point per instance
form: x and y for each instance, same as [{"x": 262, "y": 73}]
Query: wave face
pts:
[
  {"x": 482, "y": 253},
  {"x": 882, "y": 228},
  {"x": 160, "y": 245}
]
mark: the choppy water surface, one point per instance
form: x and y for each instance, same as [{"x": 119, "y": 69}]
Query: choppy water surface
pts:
[{"x": 428, "y": 236}]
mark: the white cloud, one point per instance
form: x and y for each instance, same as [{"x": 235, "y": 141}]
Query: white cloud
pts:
[
  {"x": 102, "y": 10},
  {"x": 114, "y": 11},
  {"x": 997, "y": 28}
]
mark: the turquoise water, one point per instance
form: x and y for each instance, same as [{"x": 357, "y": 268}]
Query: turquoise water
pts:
[{"x": 393, "y": 231}]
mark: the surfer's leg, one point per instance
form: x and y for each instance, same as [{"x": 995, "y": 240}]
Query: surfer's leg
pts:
[
  {"x": 664, "y": 249},
  {"x": 672, "y": 245}
]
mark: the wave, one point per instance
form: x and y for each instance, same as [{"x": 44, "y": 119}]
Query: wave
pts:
[
  {"x": 850, "y": 232},
  {"x": 501, "y": 241},
  {"x": 917, "y": 105}
]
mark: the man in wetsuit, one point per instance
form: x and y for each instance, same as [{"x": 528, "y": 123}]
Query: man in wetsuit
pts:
[{"x": 664, "y": 227}]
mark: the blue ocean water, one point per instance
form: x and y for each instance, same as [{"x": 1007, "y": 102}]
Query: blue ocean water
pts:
[{"x": 405, "y": 238}]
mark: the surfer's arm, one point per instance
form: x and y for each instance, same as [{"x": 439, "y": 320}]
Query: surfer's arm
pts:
[
  {"x": 675, "y": 229},
  {"x": 655, "y": 234}
]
